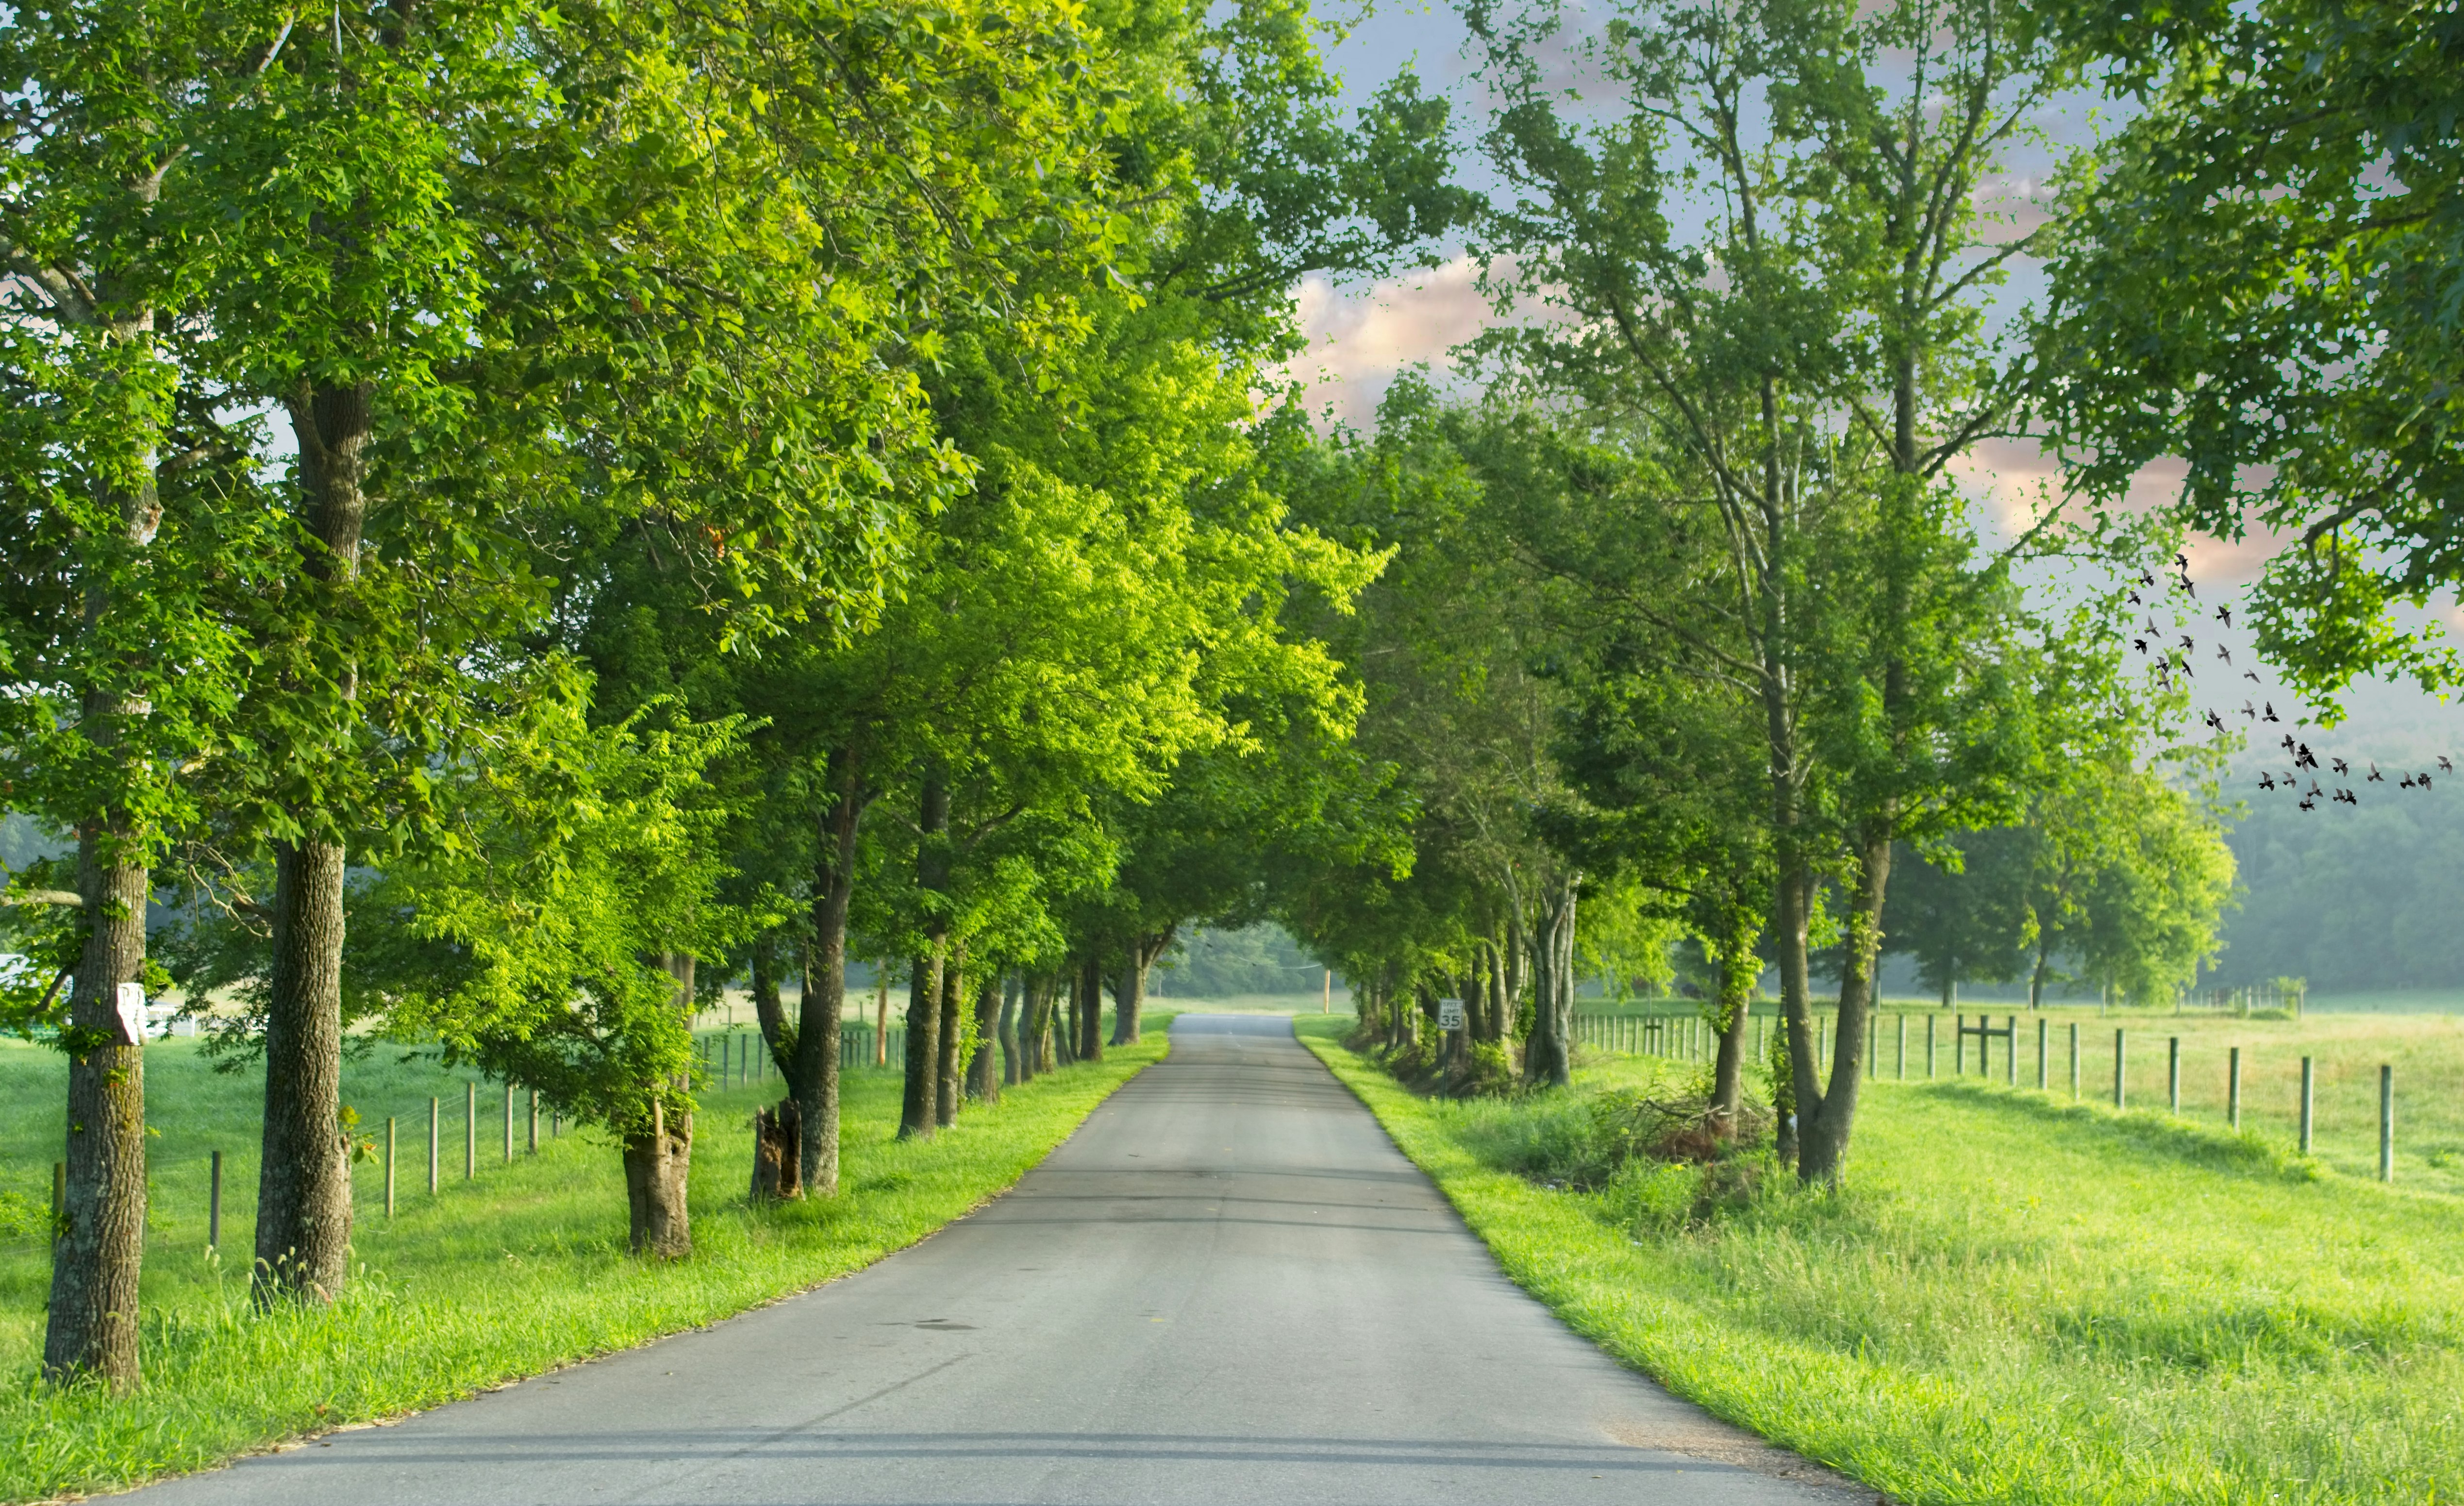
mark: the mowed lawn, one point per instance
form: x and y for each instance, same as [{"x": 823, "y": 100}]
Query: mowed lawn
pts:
[
  {"x": 517, "y": 1271},
  {"x": 2014, "y": 1300}
]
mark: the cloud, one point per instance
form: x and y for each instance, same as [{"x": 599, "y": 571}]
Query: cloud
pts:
[{"x": 1359, "y": 339}]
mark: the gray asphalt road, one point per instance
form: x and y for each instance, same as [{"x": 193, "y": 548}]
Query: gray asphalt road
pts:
[{"x": 1227, "y": 1287}]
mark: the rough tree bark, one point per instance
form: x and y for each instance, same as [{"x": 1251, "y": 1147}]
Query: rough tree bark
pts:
[
  {"x": 1548, "y": 1057},
  {"x": 1739, "y": 967},
  {"x": 658, "y": 1157},
  {"x": 303, "y": 1204},
  {"x": 1088, "y": 1001},
  {"x": 1822, "y": 1135},
  {"x": 949, "y": 1082},
  {"x": 95, "y": 1256},
  {"x": 1129, "y": 990},
  {"x": 995, "y": 1037},
  {"x": 99, "y": 1247},
  {"x": 915, "y": 1110},
  {"x": 1013, "y": 1048},
  {"x": 815, "y": 1072}
]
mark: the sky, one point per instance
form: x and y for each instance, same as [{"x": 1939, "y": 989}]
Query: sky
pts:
[{"x": 1361, "y": 335}]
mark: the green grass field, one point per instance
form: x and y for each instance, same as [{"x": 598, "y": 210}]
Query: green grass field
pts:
[
  {"x": 517, "y": 1271},
  {"x": 2015, "y": 1299},
  {"x": 2426, "y": 1050}
]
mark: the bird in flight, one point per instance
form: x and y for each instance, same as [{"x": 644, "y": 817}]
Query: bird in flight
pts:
[
  {"x": 2266, "y": 780},
  {"x": 2270, "y": 712},
  {"x": 2141, "y": 644},
  {"x": 2408, "y": 783},
  {"x": 2250, "y": 711},
  {"x": 2215, "y": 721},
  {"x": 2425, "y": 779},
  {"x": 2251, "y": 676},
  {"x": 2187, "y": 643},
  {"x": 2135, "y": 601},
  {"x": 2224, "y": 654},
  {"x": 2309, "y": 803},
  {"x": 2376, "y": 778},
  {"x": 2288, "y": 736},
  {"x": 2444, "y": 766},
  {"x": 2224, "y": 615},
  {"x": 2340, "y": 765}
]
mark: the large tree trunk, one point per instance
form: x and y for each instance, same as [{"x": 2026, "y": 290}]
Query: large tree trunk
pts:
[
  {"x": 303, "y": 1201},
  {"x": 1013, "y": 1049},
  {"x": 303, "y": 1213},
  {"x": 995, "y": 1036},
  {"x": 659, "y": 1160},
  {"x": 1739, "y": 966},
  {"x": 1549, "y": 1057},
  {"x": 1822, "y": 1150},
  {"x": 950, "y": 1081},
  {"x": 1090, "y": 1001},
  {"x": 916, "y": 1116},
  {"x": 97, "y": 1253},
  {"x": 815, "y": 1074},
  {"x": 658, "y": 1153},
  {"x": 1129, "y": 991}
]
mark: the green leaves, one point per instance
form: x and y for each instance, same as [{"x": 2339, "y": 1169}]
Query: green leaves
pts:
[{"x": 2259, "y": 275}]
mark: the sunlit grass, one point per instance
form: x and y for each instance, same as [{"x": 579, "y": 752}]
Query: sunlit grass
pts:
[
  {"x": 2014, "y": 1300},
  {"x": 518, "y": 1270}
]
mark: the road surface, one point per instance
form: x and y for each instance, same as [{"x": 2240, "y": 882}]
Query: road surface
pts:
[{"x": 1228, "y": 1286}]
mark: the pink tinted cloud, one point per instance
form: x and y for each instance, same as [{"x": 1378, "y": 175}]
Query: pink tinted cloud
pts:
[{"x": 1361, "y": 338}]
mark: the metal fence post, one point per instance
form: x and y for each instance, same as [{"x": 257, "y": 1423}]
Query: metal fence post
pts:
[
  {"x": 1903, "y": 1044},
  {"x": 508, "y": 1123},
  {"x": 2043, "y": 1067},
  {"x": 1959, "y": 1046},
  {"x": 2119, "y": 1099},
  {"x": 1930, "y": 1020},
  {"x": 431, "y": 1148},
  {"x": 2075, "y": 1062},
  {"x": 2010, "y": 1051},
  {"x": 2173, "y": 1071},
  {"x": 2232, "y": 1090},
  {"x": 2386, "y": 1124},
  {"x": 388, "y": 1166},
  {"x": 215, "y": 1204},
  {"x": 469, "y": 1130}
]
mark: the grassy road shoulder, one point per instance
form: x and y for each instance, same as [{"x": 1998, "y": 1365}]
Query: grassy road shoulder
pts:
[
  {"x": 2014, "y": 1300},
  {"x": 520, "y": 1270}
]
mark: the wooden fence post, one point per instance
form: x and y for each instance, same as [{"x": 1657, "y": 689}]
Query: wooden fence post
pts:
[{"x": 2306, "y": 1081}]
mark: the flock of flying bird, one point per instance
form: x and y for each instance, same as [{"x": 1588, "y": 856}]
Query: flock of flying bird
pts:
[{"x": 2175, "y": 660}]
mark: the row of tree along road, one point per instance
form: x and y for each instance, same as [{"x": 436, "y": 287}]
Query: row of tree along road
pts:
[{"x": 520, "y": 514}]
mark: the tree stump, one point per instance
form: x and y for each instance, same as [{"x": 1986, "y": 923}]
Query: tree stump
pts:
[{"x": 778, "y": 1153}]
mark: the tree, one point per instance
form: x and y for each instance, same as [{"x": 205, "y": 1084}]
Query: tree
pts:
[
  {"x": 1805, "y": 370},
  {"x": 550, "y": 938},
  {"x": 1962, "y": 910},
  {"x": 2259, "y": 275},
  {"x": 135, "y": 538}
]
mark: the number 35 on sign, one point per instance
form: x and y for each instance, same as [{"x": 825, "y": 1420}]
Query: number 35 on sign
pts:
[{"x": 1450, "y": 1014}]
